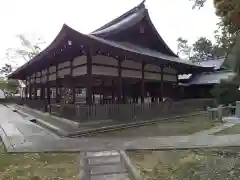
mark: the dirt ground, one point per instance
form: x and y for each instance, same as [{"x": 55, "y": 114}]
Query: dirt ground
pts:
[
  {"x": 38, "y": 166},
  {"x": 231, "y": 130},
  {"x": 183, "y": 126},
  {"x": 214, "y": 164}
]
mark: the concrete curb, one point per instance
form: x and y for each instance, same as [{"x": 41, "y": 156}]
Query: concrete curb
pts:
[
  {"x": 128, "y": 125},
  {"x": 109, "y": 128},
  {"x": 134, "y": 173},
  {"x": 5, "y": 140},
  {"x": 43, "y": 123},
  {"x": 63, "y": 120}
]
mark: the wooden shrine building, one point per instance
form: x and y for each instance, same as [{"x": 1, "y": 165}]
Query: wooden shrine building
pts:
[{"x": 119, "y": 62}]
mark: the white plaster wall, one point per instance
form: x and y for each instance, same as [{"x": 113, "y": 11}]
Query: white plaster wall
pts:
[
  {"x": 152, "y": 76},
  {"x": 38, "y": 80},
  {"x": 170, "y": 70},
  {"x": 52, "y": 69},
  {"x": 131, "y": 74},
  {"x": 52, "y": 77},
  {"x": 105, "y": 60},
  {"x": 80, "y": 71},
  {"x": 44, "y": 79},
  {"x": 152, "y": 67},
  {"x": 44, "y": 71},
  {"x": 79, "y": 60},
  {"x": 131, "y": 64},
  {"x": 100, "y": 70},
  {"x": 64, "y": 65},
  {"x": 63, "y": 72},
  {"x": 167, "y": 77}
]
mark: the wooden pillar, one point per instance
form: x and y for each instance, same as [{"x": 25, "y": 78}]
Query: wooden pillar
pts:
[
  {"x": 120, "y": 83},
  {"x": 177, "y": 88},
  {"x": 41, "y": 86},
  {"x": 113, "y": 93},
  {"x": 48, "y": 87},
  {"x": 161, "y": 87},
  {"x": 143, "y": 83},
  {"x": 26, "y": 89},
  {"x": 30, "y": 88},
  {"x": 102, "y": 91},
  {"x": 58, "y": 95},
  {"x": 72, "y": 83},
  {"x": 35, "y": 86},
  {"x": 89, "y": 82}
]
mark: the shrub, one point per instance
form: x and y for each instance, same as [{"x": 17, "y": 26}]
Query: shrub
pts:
[{"x": 226, "y": 92}]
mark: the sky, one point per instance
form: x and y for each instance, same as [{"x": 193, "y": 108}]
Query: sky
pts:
[{"x": 172, "y": 18}]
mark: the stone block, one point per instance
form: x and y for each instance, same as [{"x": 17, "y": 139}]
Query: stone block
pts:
[
  {"x": 104, "y": 160},
  {"x": 111, "y": 177},
  {"x": 238, "y": 109},
  {"x": 108, "y": 169},
  {"x": 102, "y": 153}
]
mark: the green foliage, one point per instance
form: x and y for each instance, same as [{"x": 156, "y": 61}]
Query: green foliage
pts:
[
  {"x": 9, "y": 85},
  {"x": 198, "y": 3},
  {"x": 227, "y": 10},
  {"x": 226, "y": 92},
  {"x": 234, "y": 57},
  {"x": 203, "y": 49},
  {"x": 183, "y": 47},
  {"x": 6, "y": 69},
  {"x": 30, "y": 47}
]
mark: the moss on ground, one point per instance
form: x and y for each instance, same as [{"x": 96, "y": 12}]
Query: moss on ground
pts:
[
  {"x": 182, "y": 126},
  {"x": 231, "y": 130},
  {"x": 38, "y": 166},
  {"x": 210, "y": 164}
]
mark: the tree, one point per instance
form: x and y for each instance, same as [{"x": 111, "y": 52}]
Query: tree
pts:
[
  {"x": 202, "y": 49},
  {"x": 9, "y": 86},
  {"x": 28, "y": 50},
  {"x": 228, "y": 10},
  {"x": 30, "y": 47},
  {"x": 234, "y": 57},
  {"x": 6, "y": 69},
  {"x": 183, "y": 48}
]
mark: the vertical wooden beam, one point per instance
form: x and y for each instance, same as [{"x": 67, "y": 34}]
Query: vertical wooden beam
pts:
[
  {"x": 72, "y": 82},
  {"x": 161, "y": 88},
  {"x": 143, "y": 82},
  {"x": 113, "y": 92},
  {"x": 35, "y": 86},
  {"x": 120, "y": 83},
  {"x": 41, "y": 85},
  {"x": 177, "y": 88},
  {"x": 58, "y": 93},
  {"x": 26, "y": 88},
  {"x": 48, "y": 87},
  {"x": 30, "y": 88},
  {"x": 89, "y": 77}
]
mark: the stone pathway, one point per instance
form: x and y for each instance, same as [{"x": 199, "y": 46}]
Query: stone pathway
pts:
[
  {"x": 215, "y": 129},
  {"x": 104, "y": 165},
  {"x": 21, "y": 135}
]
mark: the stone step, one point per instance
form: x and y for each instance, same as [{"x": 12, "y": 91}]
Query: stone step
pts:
[
  {"x": 104, "y": 160},
  {"x": 105, "y": 165},
  {"x": 108, "y": 169},
  {"x": 102, "y": 153},
  {"x": 111, "y": 177}
]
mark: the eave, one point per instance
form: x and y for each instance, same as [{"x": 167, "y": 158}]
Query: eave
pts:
[{"x": 131, "y": 51}]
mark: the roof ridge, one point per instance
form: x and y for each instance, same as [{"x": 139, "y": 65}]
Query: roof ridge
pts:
[{"x": 126, "y": 14}]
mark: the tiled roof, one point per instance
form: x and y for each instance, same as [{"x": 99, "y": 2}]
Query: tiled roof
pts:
[
  {"x": 210, "y": 78},
  {"x": 216, "y": 63}
]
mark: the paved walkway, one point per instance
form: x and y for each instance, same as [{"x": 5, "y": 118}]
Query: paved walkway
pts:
[{"x": 20, "y": 135}]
